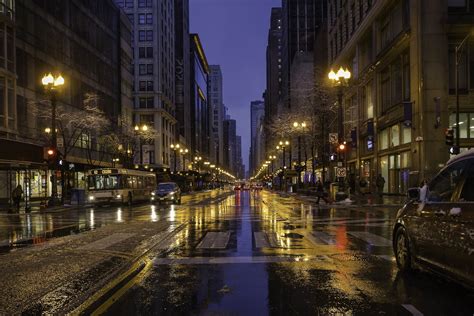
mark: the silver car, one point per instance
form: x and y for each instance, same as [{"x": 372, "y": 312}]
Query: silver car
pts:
[{"x": 167, "y": 191}]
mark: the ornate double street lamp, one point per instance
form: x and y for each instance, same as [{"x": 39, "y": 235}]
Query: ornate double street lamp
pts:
[
  {"x": 139, "y": 130},
  {"x": 340, "y": 80},
  {"x": 52, "y": 85},
  {"x": 282, "y": 145},
  {"x": 183, "y": 152},
  {"x": 300, "y": 127},
  {"x": 175, "y": 148}
]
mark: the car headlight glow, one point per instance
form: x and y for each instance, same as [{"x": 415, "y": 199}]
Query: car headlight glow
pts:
[
  {"x": 153, "y": 193},
  {"x": 171, "y": 193}
]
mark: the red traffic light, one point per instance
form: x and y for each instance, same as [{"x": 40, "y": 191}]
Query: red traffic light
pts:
[{"x": 342, "y": 147}]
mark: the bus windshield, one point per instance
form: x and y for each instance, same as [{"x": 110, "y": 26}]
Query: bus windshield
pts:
[{"x": 104, "y": 182}]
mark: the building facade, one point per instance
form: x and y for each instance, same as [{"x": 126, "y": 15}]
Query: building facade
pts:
[
  {"x": 153, "y": 43},
  {"x": 200, "y": 107},
  {"x": 88, "y": 44},
  {"x": 273, "y": 90},
  {"x": 217, "y": 108},
  {"x": 183, "y": 69},
  {"x": 257, "y": 115},
  {"x": 401, "y": 97},
  {"x": 230, "y": 143}
]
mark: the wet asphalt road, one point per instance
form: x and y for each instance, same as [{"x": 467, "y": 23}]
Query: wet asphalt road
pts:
[{"x": 251, "y": 253}]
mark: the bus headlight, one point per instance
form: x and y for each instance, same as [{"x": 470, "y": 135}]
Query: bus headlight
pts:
[
  {"x": 91, "y": 198},
  {"x": 153, "y": 193},
  {"x": 118, "y": 196}
]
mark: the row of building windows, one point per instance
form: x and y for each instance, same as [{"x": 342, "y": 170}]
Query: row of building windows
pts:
[
  {"x": 129, "y": 3},
  {"x": 145, "y": 69}
]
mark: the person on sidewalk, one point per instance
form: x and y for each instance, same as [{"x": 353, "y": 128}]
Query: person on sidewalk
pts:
[
  {"x": 320, "y": 192},
  {"x": 17, "y": 193},
  {"x": 380, "y": 183}
]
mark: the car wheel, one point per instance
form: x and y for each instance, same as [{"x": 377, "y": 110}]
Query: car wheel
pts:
[
  {"x": 402, "y": 250},
  {"x": 179, "y": 201},
  {"x": 129, "y": 199}
]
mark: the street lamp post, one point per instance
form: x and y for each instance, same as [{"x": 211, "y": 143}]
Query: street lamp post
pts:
[
  {"x": 139, "y": 130},
  {"x": 175, "y": 148},
  {"x": 183, "y": 152},
  {"x": 51, "y": 85},
  {"x": 300, "y": 126},
  {"x": 340, "y": 80}
]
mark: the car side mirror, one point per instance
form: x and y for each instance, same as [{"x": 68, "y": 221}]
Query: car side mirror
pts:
[{"x": 413, "y": 194}]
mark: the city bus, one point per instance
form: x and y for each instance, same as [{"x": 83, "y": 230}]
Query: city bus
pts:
[{"x": 119, "y": 186}]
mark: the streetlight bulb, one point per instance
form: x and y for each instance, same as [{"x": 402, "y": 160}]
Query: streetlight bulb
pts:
[
  {"x": 340, "y": 73},
  {"x": 145, "y": 128},
  {"x": 332, "y": 75},
  {"x": 303, "y": 124},
  {"x": 136, "y": 127},
  {"x": 295, "y": 124},
  {"x": 347, "y": 74},
  {"x": 287, "y": 142},
  {"x": 281, "y": 143},
  {"x": 172, "y": 146},
  {"x": 59, "y": 81},
  {"x": 278, "y": 147},
  {"x": 47, "y": 79},
  {"x": 47, "y": 130}
]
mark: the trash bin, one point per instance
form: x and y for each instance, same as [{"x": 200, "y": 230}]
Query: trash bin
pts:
[{"x": 78, "y": 196}]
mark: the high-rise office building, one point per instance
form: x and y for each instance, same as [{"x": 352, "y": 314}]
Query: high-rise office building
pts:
[
  {"x": 217, "y": 110},
  {"x": 257, "y": 114},
  {"x": 153, "y": 44},
  {"x": 183, "y": 69},
  {"x": 274, "y": 74},
  {"x": 200, "y": 108}
]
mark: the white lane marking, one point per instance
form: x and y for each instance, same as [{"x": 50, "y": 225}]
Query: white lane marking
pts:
[
  {"x": 214, "y": 240},
  {"x": 324, "y": 238},
  {"x": 236, "y": 260},
  {"x": 261, "y": 240},
  {"x": 107, "y": 241},
  {"x": 412, "y": 309},
  {"x": 354, "y": 221},
  {"x": 374, "y": 240}
]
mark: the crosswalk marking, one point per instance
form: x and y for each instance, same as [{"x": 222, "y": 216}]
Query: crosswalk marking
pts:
[
  {"x": 215, "y": 240},
  {"x": 374, "y": 240},
  {"x": 261, "y": 240},
  {"x": 238, "y": 260}
]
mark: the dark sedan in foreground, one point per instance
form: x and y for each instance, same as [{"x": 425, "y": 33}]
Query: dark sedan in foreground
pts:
[
  {"x": 167, "y": 191},
  {"x": 435, "y": 229}
]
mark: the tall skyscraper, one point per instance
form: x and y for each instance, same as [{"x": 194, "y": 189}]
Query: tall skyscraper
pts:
[
  {"x": 182, "y": 67},
  {"x": 230, "y": 154},
  {"x": 200, "y": 108},
  {"x": 257, "y": 114},
  {"x": 153, "y": 43},
  {"x": 274, "y": 74},
  {"x": 217, "y": 117},
  {"x": 301, "y": 21}
]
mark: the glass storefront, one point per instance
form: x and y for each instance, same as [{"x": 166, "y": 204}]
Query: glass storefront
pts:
[{"x": 395, "y": 169}]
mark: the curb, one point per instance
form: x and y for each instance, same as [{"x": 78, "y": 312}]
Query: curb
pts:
[{"x": 99, "y": 303}]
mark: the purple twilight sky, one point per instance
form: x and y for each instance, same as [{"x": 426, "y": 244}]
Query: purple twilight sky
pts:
[{"x": 234, "y": 35}]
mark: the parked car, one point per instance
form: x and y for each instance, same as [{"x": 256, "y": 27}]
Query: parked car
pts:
[
  {"x": 167, "y": 191},
  {"x": 438, "y": 233}
]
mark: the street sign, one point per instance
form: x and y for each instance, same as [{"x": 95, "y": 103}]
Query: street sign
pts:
[
  {"x": 341, "y": 172},
  {"x": 333, "y": 138}
]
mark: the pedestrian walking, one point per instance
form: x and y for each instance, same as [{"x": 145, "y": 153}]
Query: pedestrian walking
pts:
[
  {"x": 380, "y": 183},
  {"x": 320, "y": 192},
  {"x": 17, "y": 194}
]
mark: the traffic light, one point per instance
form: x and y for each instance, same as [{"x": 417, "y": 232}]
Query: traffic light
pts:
[
  {"x": 449, "y": 133},
  {"x": 342, "y": 147}
]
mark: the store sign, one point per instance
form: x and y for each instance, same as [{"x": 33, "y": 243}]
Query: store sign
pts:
[{"x": 341, "y": 172}]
